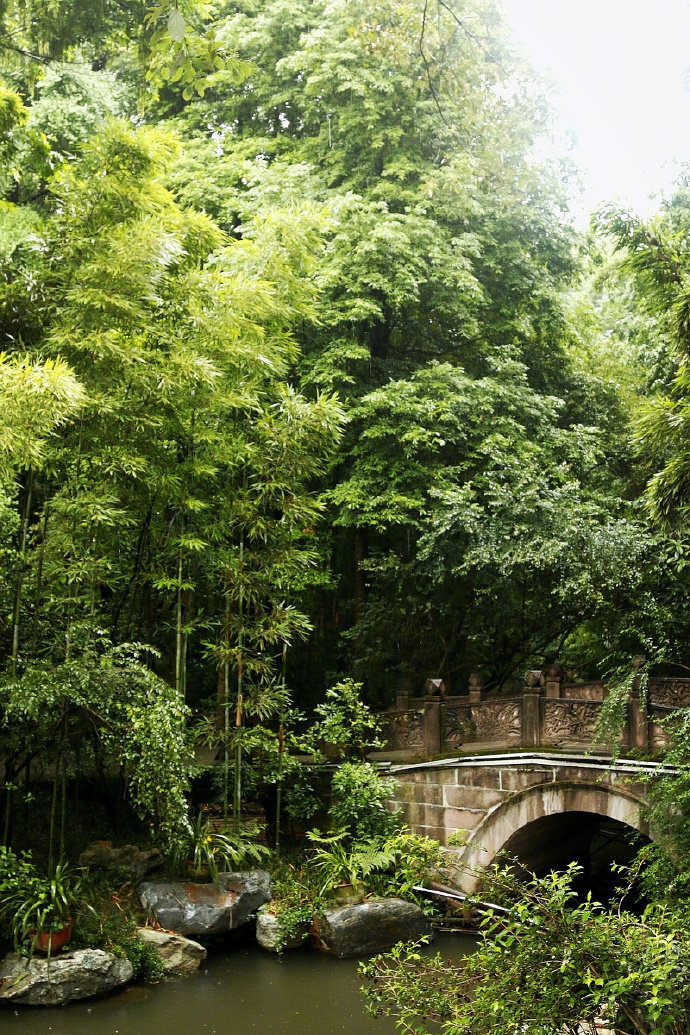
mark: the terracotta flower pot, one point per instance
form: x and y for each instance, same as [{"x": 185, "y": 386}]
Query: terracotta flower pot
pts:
[{"x": 50, "y": 941}]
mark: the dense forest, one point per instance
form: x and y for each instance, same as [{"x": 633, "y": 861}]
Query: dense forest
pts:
[
  {"x": 306, "y": 373},
  {"x": 306, "y": 379}
]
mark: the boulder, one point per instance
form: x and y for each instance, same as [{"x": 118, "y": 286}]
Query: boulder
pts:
[
  {"x": 74, "y": 975},
  {"x": 369, "y": 927},
  {"x": 136, "y": 861},
  {"x": 207, "y": 910},
  {"x": 179, "y": 955},
  {"x": 269, "y": 934}
]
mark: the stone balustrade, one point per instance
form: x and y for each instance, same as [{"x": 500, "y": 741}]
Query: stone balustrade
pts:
[{"x": 546, "y": 712}]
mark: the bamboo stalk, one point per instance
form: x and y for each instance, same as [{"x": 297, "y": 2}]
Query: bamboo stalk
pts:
[
  {"x": 178, "y": 618},
  {"x": 281, "y": 748},
  {"x": 20, "y": 576},
  {"x": 237, "y": 801},
  {"x": 226, "y": 706}
]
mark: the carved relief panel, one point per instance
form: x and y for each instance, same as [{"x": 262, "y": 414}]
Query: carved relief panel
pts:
[
  {"x": 569, "y": 720},
  {"x": 498, "y": 720},
  {"x": 406, "y": 730}
]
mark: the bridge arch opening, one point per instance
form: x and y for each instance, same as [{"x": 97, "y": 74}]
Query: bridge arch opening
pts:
[
  {"x": 596, "y": 843},
  {"x": 548, "y": 825}
]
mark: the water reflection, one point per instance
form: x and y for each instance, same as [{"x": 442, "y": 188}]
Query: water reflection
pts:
[{"x": 245, "y": 990}]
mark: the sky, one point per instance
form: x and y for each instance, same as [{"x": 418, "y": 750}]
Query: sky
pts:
[{"x": 621, "y": 69}]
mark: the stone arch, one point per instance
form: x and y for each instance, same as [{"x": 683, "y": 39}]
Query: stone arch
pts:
[{"x": 537, "y": 802}]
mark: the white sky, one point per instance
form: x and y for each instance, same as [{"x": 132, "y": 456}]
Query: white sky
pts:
[{"x": 620, "y": 68}]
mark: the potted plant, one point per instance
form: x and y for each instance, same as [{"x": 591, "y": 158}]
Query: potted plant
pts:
[
  {"x": 206, "y": 851},
  {"x": 38, "y": 908},
  {"x": 343, "y": 868}
]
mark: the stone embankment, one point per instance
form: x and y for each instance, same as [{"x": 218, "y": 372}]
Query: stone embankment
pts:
[{"x": 209, "y": 913}]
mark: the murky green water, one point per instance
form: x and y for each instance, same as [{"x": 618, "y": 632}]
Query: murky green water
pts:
[{"x": 244, "y": 990}]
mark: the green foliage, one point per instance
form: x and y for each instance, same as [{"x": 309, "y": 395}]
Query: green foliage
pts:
[
  {"x": 339, "y": 862},
  {"x": 417, "y": 860},
  {"x": 666, "y": 876},
  {"x": 35, "y": 399},
  {"x": 211, "y": 851},
  {"x": 359, "y": 802},
  {"x": 654, "y": 255},
  {"x": 295, "y": 899},
  {"x": 190, "y": 442},
  {"x": 345, "y": 723},
  {"x": 111, "y": 924},
  {"x": 446, "y": 252},
  {"x": 115, "y": 706},
  {"x": 32, "y": 903},
  {"x": 551, "y": 965},
  {"x": 185, "y": 51}
]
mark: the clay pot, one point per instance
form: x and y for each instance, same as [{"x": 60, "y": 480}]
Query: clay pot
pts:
[{"x": 47, "y": 942}]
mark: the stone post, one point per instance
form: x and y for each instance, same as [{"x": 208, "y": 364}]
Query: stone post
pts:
[
  {"x": 531, "y": 720},
  {"x": 638, "y": 711},
  {"x": 433, "y": 719},
  {"x": 402, "y": 701},
  {"x": 476, "y": 687},
  {"x": 554, "y": 675}
]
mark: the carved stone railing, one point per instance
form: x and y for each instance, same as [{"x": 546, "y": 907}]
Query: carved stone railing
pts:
[
  {"x": 569, "y": 721},
  {"x": 547, "y": 712}
]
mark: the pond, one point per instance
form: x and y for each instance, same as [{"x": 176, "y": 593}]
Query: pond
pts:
[{"x": 244, "y": 990}]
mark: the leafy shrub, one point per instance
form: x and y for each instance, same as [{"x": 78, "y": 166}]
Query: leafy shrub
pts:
[
  {"x": 215, "y": 851},
  {"x": 339, "y": 862},
  {"x": 32, "y": 903},
  {"x": 107, "y": 927},
  {"x": 346, "y": 723},
  {"x": 359, "y": 802},
  {"x": 550, "y": 965},
  {"x": 296, "y": 898},
  {"x": 416, "y": 860}
]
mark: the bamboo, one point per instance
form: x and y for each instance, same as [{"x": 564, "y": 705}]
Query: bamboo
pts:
[
  {"x": 237, "y": 801},
  {"x": 281, "y": 748},
  {"x": 8, "y": 812},
  {"x": 226, "y": 706},
  {"x": 39, "y": 581},
  {"x": 63, "y": 806},
  {"x": 20, "y": 576},
  {"x": 178, "y": 618}
]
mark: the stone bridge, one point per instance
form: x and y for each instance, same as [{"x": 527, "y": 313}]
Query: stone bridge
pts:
[
  {"x": 543, "y": 808},
  {"x": 523, "y": 773}
]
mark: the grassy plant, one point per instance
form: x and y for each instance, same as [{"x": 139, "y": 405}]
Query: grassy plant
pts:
[
  {"x": 339, "y": 863},
  {"x": 214, "y": 851}
]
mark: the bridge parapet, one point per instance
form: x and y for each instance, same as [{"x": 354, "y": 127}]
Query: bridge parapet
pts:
[{"x": 547, "y": 712}]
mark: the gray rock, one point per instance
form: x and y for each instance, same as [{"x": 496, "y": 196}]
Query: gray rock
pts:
[
  {"x": 75, "y": 975},
  {"x": 369, "y": 927},
  {"x": 179, "y": 955},
  {"x": 269, "y": 934},
  {"x": 206, "y": 910},
  {"x": 137, "y": 861}
]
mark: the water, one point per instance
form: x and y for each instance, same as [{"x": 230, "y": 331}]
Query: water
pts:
[{"x": 244, "y": 990}]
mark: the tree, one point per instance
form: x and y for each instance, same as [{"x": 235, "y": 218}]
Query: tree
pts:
[
  {"x": 655, "y": 255},
  {"x": 191, "y": 447},
  {"x": 447, "y": 250},
  {"x": 549, "y": 965}
]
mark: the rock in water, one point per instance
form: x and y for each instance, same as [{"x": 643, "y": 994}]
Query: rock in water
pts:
[
  {"x": 269, "y": 934},
  {"x": 369, "y": 927},
  {"x": 179, "y": 955},
  {"x": 207, "y": 910},
  {"x": 75, "y": 975},
  {"x": 137, "y": 861}
]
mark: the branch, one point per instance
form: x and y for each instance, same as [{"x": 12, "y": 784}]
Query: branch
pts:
[
  {"x": 475, "y": 39},
  {"x": 426, "y": 65}
]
